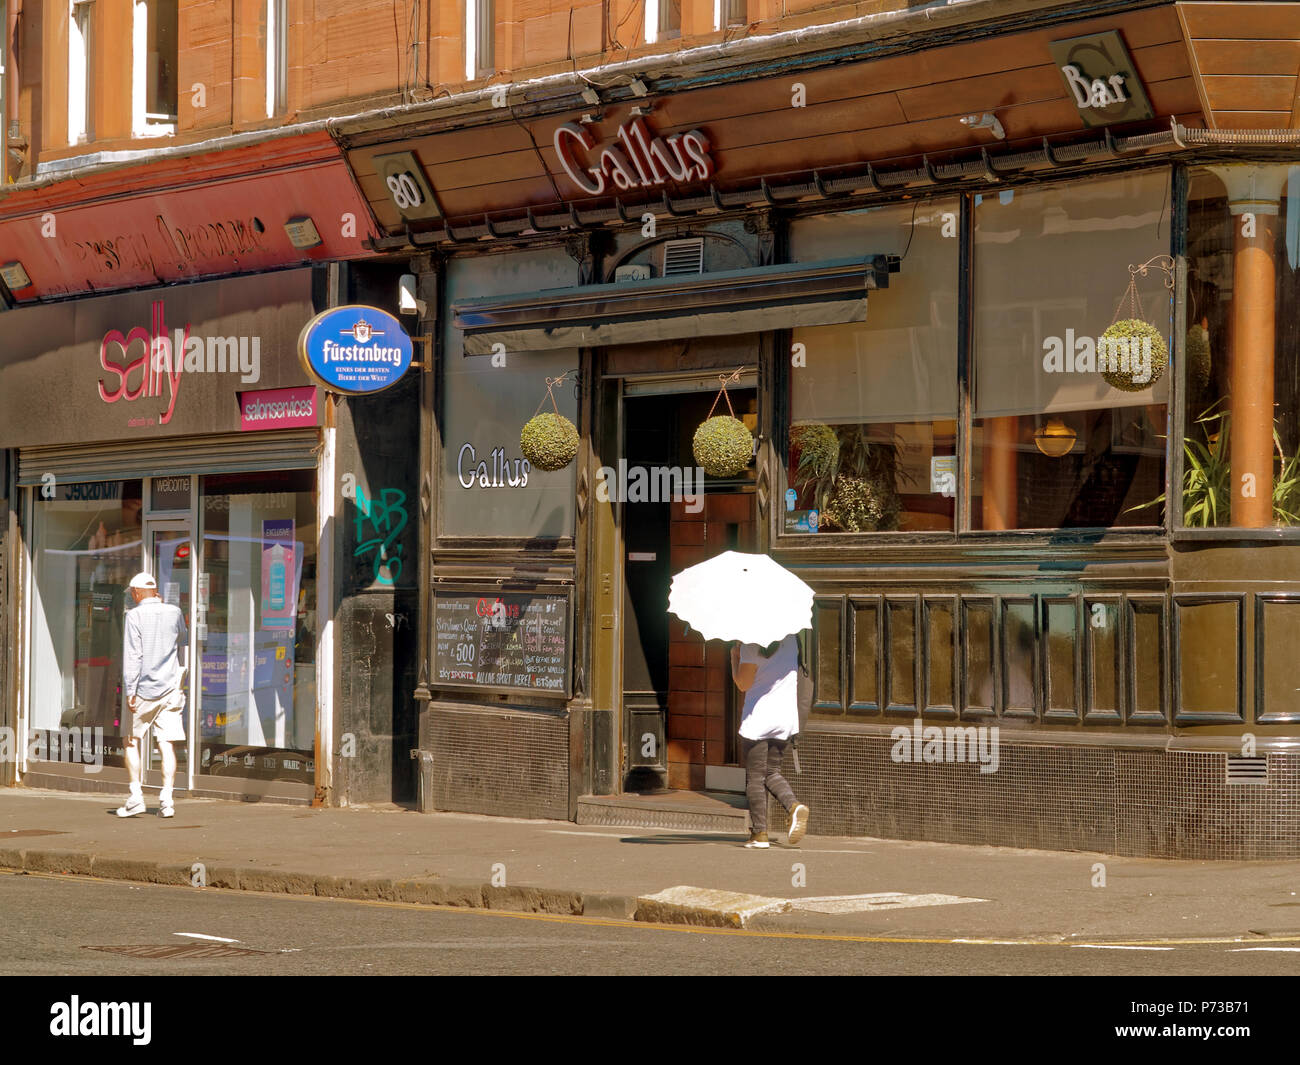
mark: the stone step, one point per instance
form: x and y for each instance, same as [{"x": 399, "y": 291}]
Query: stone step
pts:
[{"x": 693, "y": 810}]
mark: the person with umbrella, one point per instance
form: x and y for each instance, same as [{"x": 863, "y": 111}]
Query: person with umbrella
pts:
[{"x": 760, "y": 604}]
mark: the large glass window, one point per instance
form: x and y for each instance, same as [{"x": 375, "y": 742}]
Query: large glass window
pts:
[
  {"x": 86, "y": 547},
  {"x": 1067, "y": 430},
  {"x": 873, "y": 405},
  {"x": 488, "y": 488},
  {"x": 1241, "y": 445},
  {"x": 256, "y": 639}
]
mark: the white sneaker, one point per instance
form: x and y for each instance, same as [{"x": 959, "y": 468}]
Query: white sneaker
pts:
[
  {"x": 167, "y": 811},
  {"x": 131, "y": 807},
  {"x": 798, "y": 823}
]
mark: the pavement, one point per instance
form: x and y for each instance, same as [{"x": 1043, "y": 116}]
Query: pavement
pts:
[{"x": 842, "y": 886}]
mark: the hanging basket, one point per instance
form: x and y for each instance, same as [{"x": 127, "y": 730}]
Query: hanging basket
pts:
[
  {"x": 1136, "y": 339},
  {"x": 819, "y": 446},
  {"x": 723, "y": 445},
  {"x": 549, "y": 441},
  {"x": 1132, "y": 354}
]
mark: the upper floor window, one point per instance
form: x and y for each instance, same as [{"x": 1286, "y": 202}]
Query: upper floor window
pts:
[
  {"x": 729, "y": 13},
  {"x": 80, "y": 81},
  {"x": 154, "y": 68},
  {"x": 663, "y": 20},
  {"x": 480, "y": 54},
  {"x": 277, "y": 55}
]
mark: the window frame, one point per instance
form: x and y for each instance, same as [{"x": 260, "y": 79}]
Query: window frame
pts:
[
  {"x": 277, "y": 57},
  {"x": 963, "y": 533},
  {"x": 480, "y": 39},
  {"x": 146, "y": 123}
]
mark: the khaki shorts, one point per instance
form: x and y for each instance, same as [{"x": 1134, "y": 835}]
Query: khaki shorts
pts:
[{"x": 165, "y": 714}]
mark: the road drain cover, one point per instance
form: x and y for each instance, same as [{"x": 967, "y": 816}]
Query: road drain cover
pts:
[{"x": 172, "y": 951}]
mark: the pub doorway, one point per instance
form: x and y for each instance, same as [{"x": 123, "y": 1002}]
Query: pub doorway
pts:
[{"x": 680, "y": 711}]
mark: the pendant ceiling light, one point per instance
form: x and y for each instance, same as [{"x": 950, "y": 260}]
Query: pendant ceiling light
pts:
[{"x": 1055, "y": 439}]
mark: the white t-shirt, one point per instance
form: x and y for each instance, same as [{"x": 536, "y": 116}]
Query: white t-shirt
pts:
[{"x": 772, "y": 703}]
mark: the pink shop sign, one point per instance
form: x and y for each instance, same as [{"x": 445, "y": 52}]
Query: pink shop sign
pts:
[{"x": 278, "y": 408}]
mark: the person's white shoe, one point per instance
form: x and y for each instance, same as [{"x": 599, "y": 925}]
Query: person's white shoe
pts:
[
  {"x": 798, "y": 823},
  {"x": 131, "y": 808},
  {"x": 167, "y": 811}
]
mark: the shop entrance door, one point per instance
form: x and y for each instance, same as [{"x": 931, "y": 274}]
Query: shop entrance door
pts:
[
  {"x": 680, "y": 709},
  {"x": 170, "y": 559}
]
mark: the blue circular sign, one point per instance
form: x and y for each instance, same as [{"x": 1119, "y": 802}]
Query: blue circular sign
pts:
[{"x": 354, "y": 350}]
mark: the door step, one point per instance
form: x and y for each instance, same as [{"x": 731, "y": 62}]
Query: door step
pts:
[{"x": 708, "y": 811}]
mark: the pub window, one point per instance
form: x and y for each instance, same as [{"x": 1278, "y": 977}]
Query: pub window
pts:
[
  {"x": 154, "y": 67},
  {"x": 1067, "y": 431},
  {"x": 277, "y": 55},
  {"x": 488, "y": 488},
  {"x": 1241, "y": 392},
  {"x": 80, "y": 80},
  {"x": 480, "y": 51},
  {"x": 663, "y": 20},
  {"x": 872, "y": 430}
]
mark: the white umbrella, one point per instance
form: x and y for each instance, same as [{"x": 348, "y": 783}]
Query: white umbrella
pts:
[{"x": 736, "y": 596}]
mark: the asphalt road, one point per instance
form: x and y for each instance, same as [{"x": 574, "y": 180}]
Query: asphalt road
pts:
[{"x": 51, "y": 923}]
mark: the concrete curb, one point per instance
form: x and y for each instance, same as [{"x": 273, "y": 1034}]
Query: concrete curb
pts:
[{"x": 514, "y": 898}]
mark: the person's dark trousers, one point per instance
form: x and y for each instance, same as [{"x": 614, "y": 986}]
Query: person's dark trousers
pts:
[{"x": 763, "y": 774}]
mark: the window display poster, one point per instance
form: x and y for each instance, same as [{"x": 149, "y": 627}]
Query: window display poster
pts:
[{"x": 279, "y": 574}]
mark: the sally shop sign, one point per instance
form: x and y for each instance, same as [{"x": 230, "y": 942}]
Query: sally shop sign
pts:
[{"x": 354, "y": 350}]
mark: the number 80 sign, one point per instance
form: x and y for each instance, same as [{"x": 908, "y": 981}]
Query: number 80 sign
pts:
[{"x": 406, "y": 185}]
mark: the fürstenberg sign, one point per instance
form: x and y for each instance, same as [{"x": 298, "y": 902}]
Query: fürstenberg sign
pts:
[{"x": 642, "y": 161}]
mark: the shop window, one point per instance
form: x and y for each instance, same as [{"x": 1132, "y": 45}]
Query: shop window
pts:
[
  {"x": 256, "y": 640},
  {"x": 873, "y": 405},
  {"x": 1241, "y": 429},
  {"x": 154, "y": 52},
  {"x": 488, "y": 488},
  {"x": 1054, "y": 443},
  {"x": 86, "y": 547}
]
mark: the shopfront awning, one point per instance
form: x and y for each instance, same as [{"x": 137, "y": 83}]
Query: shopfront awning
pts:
[{"x": 669, "y": 308}]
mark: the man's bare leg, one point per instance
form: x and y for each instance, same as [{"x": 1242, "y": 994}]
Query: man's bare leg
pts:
[
  {"x": 136, "y": 798},
  {"x": 168, "y": 753}
]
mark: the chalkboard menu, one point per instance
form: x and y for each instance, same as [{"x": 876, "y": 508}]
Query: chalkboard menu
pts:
[{"x": 503, "y": 640}]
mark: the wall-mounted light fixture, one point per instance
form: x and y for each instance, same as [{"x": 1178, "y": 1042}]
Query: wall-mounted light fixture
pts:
[
  {"x": 638, "y": 87},
  {"x": 643, "y": 110},
  {"x": 1055, "y": 439},
  {"x": 302, "y": 232},
  {"x": 14, "y": 276},
  {"x": 986, "y": 120},
  {"x": 407, "y": 300},
  {"x": 591, "y": 96}
]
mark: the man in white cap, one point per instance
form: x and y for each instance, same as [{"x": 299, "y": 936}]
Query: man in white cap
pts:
[{"x": 153, "y": 678}]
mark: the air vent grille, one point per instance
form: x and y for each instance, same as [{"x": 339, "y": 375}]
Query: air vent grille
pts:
[
  {"x": 684, "y": 256},
  {"x": 1247, "y": 770}
]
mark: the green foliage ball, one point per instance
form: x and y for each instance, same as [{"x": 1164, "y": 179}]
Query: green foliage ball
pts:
[
  {"x": 1131, "y": 329},
  {"x": 819, "y": 446},
  {"x": 549, "y": 441},
  {"x": 863, "y": 504},
  {"x": 723, "y": 446}
]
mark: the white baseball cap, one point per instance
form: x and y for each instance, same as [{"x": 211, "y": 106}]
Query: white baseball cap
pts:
[{"x": 144, "y": 580}]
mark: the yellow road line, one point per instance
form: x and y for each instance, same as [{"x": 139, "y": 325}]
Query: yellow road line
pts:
[{"x": 612, "y": 922}]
